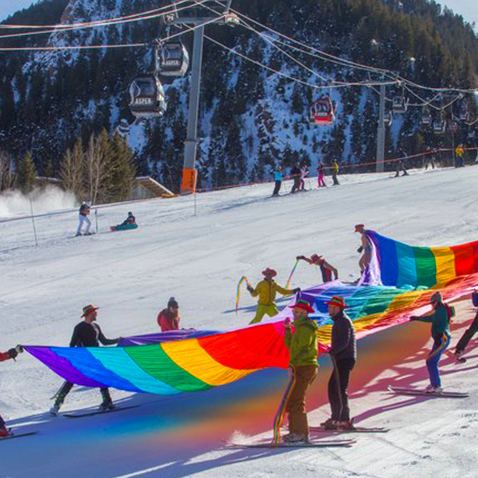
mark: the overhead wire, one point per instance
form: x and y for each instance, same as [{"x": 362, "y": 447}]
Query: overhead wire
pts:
[{"x": 81, "y": 24}]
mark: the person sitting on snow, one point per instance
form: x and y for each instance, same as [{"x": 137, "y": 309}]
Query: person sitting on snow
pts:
[
  {"x": 168, "y": 319},
  {"x": 325, "y": 268},
  {"x": 130, "y": 220},
  {"x": 11, "y": 354},
  {"x": 267, "y": 290}
]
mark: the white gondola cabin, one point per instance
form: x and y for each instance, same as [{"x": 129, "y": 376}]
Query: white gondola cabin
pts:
[
  {"x": 146, "y": 97},
  {"x": 173, "y": 59},
  {"x": 322, "y": 112},
  {"x": 439, "y": 126},
  {"x": 388, "y": 118}
]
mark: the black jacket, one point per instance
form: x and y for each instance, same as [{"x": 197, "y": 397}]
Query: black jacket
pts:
[
  {"x": 343, "y": 344},
  {"x": 89, "y": 335}
]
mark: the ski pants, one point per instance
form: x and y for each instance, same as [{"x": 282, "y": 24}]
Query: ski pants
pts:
[
  {"x": 303, "y": 377},
  {"x": 296, "y": 184},
  {"x": 270, "y": 310},
  {"x": 321, "y": 181},
  {"x": 277, "y": 186},
  {"x": 66, "y": 389},
  {"x": 468, "y": 335},
  {"x": 440, "y": 344},
  {"x": 338, "y": 383},
  {"x": 335, "y": 178},
  {"x": 83, "y": 219}
]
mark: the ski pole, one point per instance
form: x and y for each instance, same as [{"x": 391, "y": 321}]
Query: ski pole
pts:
[{"x": 292, "y": 273}]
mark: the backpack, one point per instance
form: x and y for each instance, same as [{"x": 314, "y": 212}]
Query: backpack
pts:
[{"x": 450, "y": 312}]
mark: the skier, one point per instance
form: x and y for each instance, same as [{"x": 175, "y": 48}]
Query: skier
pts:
[
  {"x": 168, "y": 319},
  {"x": 83, "y": 217},
  {"x": 130, "y": 220},
  {"x": 304, "y": 172},
  {"x": 11, "y": 354},
  {"x": 440, "y": 320},
  {"x": 295, "y": 175},
  {"x": 401, "y": 167},
  {"x": 303, "y": 350},
  {"x": 460, "y": 160},
  {"x": 321, "y": 176},
  {"x": 343, "y": 353},
  {"x": 430, "y": 159},
  {"x": 335, "y": 172},
  {"x": 86, "y": 334},
  {"x": 470, "y": 332},
  {"x": 278, "y": 180},
  {"x": 267, "y": 289},
  {"x": 366, "y": 248},
  {"x": 325, "y": 268}
]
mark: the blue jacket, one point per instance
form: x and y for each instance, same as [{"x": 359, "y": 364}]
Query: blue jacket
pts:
[{"x": 278, "y": 175}]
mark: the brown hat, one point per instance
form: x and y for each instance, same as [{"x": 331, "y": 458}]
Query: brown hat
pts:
[{"x": 269, "y": 273}]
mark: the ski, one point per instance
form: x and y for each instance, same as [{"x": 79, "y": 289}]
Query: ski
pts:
[
  {"x": 414, "y": 391},
  {"x": 98, "y": 412},
  {"x": 19, "y": 435},
  {"x": 353, "y": 430},
  {"x": 311, "y": 444}
]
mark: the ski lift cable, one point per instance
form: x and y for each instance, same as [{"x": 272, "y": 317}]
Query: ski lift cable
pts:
[
  {"x": 126, "y": 45},
  {"x": 84, "y": 24},
  {"x": 149, "y": 17},
  {"x": 354, "y": 64},
  {"x": 280, "y": 73}
]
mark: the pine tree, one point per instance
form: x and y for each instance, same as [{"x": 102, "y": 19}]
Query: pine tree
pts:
[{"x": 26, "y": 174}]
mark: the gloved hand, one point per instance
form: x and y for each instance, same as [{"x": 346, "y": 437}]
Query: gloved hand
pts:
[
  {"x": 19, "y": 349},
  {"x": 297, "y": 290},
  {"x": 287, "y": 323},
  {"x": 250, "y": 289},
  {"x": 360, "y": 249},
  {"x": 413, "y": 317},
  {"x": 298, "y": 258},
  {"x": 13, "y": 353}
]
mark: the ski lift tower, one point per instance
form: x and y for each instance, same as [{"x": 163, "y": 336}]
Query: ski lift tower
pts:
[{"x": 224, "y": 17}]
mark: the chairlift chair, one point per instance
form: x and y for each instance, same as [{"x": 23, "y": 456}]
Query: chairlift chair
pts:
[
  {"x": 147, "y": 97},
  {"x": 464, "y": 116},
  {"x": 173, "y": 59},
  {"x": 439, "y": 126},
  {"x": 427, "y": 119},
  {"x": 322, "y": 112},
  {"x": 400, "y": 104}
]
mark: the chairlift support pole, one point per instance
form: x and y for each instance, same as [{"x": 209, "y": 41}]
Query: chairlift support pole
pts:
[
  {"x": 188, "y": 184},
  {"x": 380, "y": 165}
]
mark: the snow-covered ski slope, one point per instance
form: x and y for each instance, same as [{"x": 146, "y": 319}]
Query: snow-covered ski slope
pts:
[{"x": 199, "y": 259}]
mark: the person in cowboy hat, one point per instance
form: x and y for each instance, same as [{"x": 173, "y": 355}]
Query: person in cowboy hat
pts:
[
  {"x": 325, "y": 268},
  {"x": 86, "y": 334},
  {"x": 343, "y": 352},
  {"x": 267, "y": 289},
  {"x": 365, "y": 247},
  {"x": 303, "y": 351},
  {"x": 440, "y": 319}
]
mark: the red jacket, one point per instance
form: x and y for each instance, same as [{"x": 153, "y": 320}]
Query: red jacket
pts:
[
  {"x": 4, "y": 356},
  {"x": 168, "y": 321}
]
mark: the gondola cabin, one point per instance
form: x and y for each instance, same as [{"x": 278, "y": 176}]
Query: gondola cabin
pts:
[
  {"x": 146, "y": 97},
  {"x": 464, "y": 116},
  {"x": 439, "y": 126},
  {"x": 123, "y": 128},
  {"x": 426, "y": 120},
  {"x": 173, "y": 59},
  {"x": 400, "y": 104},
  {"x": 322, "y": 112}
]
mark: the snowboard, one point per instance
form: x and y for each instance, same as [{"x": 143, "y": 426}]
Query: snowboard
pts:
[
  {"x": 415, "y": 391},
  {"x": 97, "y": 412},
  {"x": 126, "y": 227}
]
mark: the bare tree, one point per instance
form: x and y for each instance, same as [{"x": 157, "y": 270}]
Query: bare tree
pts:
[
  {"x": 6, "y": 171},
  {"x": 71, "y": 169}
]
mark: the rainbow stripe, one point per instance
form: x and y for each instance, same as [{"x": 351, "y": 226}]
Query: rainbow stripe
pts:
[{"x": 401, "y": 265}]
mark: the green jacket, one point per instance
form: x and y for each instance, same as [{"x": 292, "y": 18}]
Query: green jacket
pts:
[
  {"x": 302, "y": 344},
  {"x": 439, "y": 320}
]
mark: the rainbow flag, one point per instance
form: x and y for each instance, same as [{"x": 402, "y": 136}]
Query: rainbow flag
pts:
[
  {"x": 400, "y": 265},
  {"x": 407, "y": 276}
]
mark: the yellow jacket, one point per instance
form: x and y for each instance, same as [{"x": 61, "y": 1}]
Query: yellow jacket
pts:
[
  {"x": 459, "y": 151},
  {"x": 267, "y": 290}
]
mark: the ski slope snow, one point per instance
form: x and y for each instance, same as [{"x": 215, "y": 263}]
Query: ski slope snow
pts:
[{"x": 197, "y": 253}]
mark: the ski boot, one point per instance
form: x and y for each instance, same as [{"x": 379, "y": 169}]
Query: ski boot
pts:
[
  {"x": 107, "y": 406},
  {"x": 329, "y": 424},
  {"x": 345, "y": 425},
  {"x": 55, "y": 410},
  {"x": 431, "y": 389},
  {"x": 295, "y": 438}
]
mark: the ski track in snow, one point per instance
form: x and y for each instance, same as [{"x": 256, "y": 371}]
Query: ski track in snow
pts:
[{"x": 199, "y": 259}]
